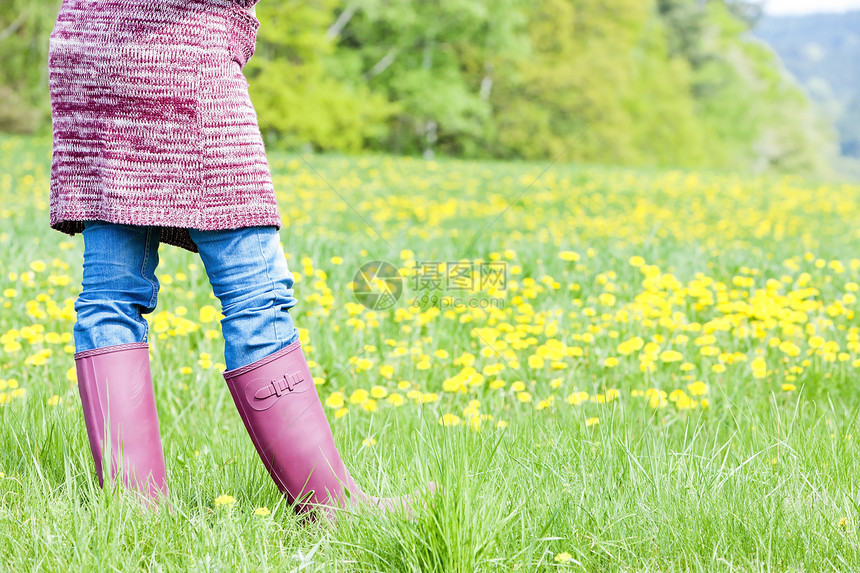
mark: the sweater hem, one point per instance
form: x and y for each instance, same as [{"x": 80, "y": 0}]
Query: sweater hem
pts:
[{"x": 175, "y": 232}]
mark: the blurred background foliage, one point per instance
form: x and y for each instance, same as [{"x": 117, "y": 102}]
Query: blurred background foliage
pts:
[
  {"x": 822, "y": 51},
  {"x": 631, "y": 82}
]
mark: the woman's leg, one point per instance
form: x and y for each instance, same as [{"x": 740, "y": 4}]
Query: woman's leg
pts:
[
  {"x": 119, "y": 285},
  {"x": 249, "y": 275},
  {"x": 268, "y": 376},
  {"x": 112, "y": 358}
]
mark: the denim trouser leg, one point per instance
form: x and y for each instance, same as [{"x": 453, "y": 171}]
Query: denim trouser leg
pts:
[
  {"x": 119, "y": 285},
  {"x": 248, "y": 273},
  {"x": 246, "y": 267}
]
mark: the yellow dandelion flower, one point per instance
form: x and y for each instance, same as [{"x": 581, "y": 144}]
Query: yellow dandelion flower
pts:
[
  {"x": 631, "y": 345},
  {"x": 671, "y": 356},
  {"x": 12, "y": 347},
  {"x": 225, "y": 500},
  {"x": 697, "y": 388},
  {"x": 577, "y": 398},
  {"x": 208, "y": 313},
  {"x": 449, "y": 420},
  {"x": 492, "y": 369},
  {"x": 759, "y": 367},
  {"x": 262, "y": 511},
  {"x": 651, "y": 349},
  {"x": 359, "y": 396},
  {"x": 563, "y": 557},
  {"x": 334, "y": 400},
  {"x": 453, "y": 385},
  {"x": 592, "y": 421}
]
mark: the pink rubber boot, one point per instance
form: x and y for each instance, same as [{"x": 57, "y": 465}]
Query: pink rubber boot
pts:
[
  {"x": 116, "y": 392},
  {"x": 282, "y": 412}
]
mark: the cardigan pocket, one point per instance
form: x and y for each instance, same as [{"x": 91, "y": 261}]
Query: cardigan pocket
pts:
[{"x": 243, "y": 34}]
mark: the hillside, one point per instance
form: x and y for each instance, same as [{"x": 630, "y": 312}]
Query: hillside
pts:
[{"x": 822, "y": 51}]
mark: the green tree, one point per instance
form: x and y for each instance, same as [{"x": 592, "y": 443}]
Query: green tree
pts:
[
  {"x": 597, "y": 86},
  {"x": 25, "y": 28},
  {"x": 296, "y": 97},
  {"x": 437, "y": 61}
]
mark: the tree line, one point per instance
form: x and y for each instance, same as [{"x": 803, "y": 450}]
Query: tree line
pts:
[{"x": 631, "y": 82}]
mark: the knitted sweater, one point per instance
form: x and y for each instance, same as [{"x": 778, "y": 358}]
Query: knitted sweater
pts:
[{"x": 152, "y": 120}]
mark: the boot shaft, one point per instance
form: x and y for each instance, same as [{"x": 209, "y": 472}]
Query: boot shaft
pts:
[
  {"x": 118, "y": 401},
  {"x": 282, "y": 412}
]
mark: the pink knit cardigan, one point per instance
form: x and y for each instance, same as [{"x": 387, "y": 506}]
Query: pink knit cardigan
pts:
[{"x": 152, "y": 120}]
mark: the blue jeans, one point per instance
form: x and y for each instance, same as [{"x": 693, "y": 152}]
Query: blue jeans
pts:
[{"x": 246, "y": 268}]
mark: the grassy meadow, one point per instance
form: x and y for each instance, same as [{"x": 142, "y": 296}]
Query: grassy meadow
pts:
[{"x": 665, "y": 380}]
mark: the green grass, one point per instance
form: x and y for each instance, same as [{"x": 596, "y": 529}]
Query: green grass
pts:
[{"x": 762, "y": 479}]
